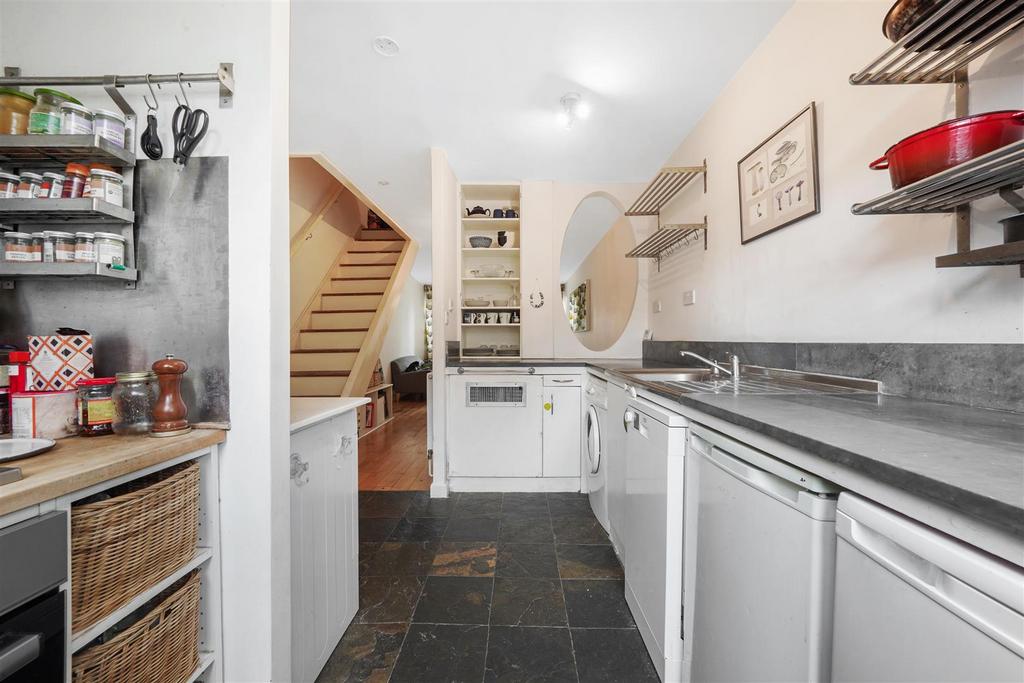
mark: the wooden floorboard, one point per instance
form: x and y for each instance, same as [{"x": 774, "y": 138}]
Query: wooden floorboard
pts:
[{"x": 394, "y": 457}]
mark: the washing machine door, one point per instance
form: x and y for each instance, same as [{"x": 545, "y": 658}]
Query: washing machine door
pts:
[{"x": 593, "y": 440}]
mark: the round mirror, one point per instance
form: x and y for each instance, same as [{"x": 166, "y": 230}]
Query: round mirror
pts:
[{"x": 598, "y": 282}]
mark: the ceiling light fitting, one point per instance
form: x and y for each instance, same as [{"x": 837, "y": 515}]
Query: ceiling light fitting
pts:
[
  {"x": 386, "y": 46},
  {"x": 573, "y": 108}
]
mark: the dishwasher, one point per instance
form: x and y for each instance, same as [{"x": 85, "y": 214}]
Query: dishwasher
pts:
[
  {"x": 913, "y": 604},
  {"x": 764, "y": 565},
  {"x": 653, "y": 538}
]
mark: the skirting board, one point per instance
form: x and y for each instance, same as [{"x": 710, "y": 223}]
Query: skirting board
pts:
[{"x": 514, "y": 484}]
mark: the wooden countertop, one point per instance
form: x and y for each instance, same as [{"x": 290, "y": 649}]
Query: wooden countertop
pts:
[{"x": 78, "y": 462}]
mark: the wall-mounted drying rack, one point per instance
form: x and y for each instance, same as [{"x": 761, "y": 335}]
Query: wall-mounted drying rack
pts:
[
  {"x": 668, "y": 239},
  {"x": 938, "y": 50}
]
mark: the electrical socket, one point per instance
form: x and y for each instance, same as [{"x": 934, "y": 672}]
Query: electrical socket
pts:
[
  {"x": 689, "y": 297},
  {"x": 657, "y": 306}
]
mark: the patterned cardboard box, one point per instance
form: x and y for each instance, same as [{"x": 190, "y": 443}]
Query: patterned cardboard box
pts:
[{"x": 59, "y": 361}]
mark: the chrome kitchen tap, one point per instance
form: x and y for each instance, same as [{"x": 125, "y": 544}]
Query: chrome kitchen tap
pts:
[{"x": 716, "y": 368}]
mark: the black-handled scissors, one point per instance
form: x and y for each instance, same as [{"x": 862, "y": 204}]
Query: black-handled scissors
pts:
[{"x": 188, "y": 126}]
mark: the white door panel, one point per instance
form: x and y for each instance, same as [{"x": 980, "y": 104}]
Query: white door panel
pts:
[{"x": 562, "y": 410}]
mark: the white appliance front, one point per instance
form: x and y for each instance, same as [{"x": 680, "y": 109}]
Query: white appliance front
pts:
[
  {"x": 615, "y": 464},
  {"x": 912, "y": 604},
  {"x": 765, "y": 549},
  {"x": 653, "y": 538},
  {"x": 594, "y": 427}
]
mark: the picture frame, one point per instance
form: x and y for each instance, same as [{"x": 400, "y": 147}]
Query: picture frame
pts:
[
  {"x": 778, "y": 179},
  {"x": 578, "y": 309}
]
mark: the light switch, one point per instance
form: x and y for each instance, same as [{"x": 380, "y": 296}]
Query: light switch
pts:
[
  {"x": 657, "y": 306},
  {"x": 689, "y": 297}
]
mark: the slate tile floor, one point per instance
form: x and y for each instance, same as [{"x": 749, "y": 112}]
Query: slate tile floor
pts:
[{"x": 487, "y": 587}]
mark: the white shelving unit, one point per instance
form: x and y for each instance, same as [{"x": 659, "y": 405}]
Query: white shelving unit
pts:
[{"x": 490, "y": 196}]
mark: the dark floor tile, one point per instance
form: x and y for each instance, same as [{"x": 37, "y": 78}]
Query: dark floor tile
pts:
[
  {"x": 472, "y": 529},
  {"x": 597, "y": 604},
  {"x": 588, "y": 562},
  {"x": 376, "y": 529},
  {"x": 387, "y": 599},
  {"x": 426, "y": 529},
  {"x": 524, "y": 504},
  {"x": 384, "y": 503},
  {"x": 435, "y": 653},
  {"x": 611, "y": 656},
  {"x": 527, "y": 602},
  {"x": 526, "y": 530},
  {"x": 527, "y": 560},
  {"x": 454, "y": 600},
  {"x": 398, "y": 559},
  {"x": 465, "y": 559},
  {"x": 367, "y": 652},
  {"x": 423, "y": 505},
  {"x": 579, "y": 530},
  {"x": 529, "y": 654},
  {"x": 477, "y": 505},
  {"x": 569, "y": 505}
]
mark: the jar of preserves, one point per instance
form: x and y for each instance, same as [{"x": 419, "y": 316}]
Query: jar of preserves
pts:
[
  {"x": 17, "y": 247},
  {"x": 30, "y": 185},
  {"x": 44, "y": 119},
  {"x": 85, "y": 247},
  {"x": 75, "y": 119},
  {"x": 106, "y": 185},
  {"x": 63, "y": 246},
  {"x": 134, "y": 397},
  {"x": 9, "y": 185},
  {"x": 53, "y": 184},
  {"x": 15, "y": 107},
  {"x": 75, "y": 178},
  {"x": 96, "y": 406},
  {"x": 110, "y": 125},
  {"x": 110, "y": 248}
]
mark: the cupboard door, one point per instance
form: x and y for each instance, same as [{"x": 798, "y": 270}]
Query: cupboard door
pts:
[
  {"x": 539, "y": 302},
  {"x": 562, "y": 427}
]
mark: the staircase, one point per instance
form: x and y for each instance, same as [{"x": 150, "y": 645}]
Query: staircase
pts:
[{"x": 336, "y": 345}]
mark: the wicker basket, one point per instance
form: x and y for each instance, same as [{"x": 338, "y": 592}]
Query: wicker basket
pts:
[
  {"x": 123, "y": 545},
  {"x": 162, "y": 646}
]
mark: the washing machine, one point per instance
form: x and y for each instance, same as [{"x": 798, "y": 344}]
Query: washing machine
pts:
[{"x": 595, "y": 428}]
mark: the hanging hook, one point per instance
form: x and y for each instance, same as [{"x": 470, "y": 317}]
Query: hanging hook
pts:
[
  {"x": 182, "y": 88},
  {"x": 156, "y": 103}
]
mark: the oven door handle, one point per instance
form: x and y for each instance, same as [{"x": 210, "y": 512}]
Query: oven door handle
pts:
[{"x": 19, "y": 654}]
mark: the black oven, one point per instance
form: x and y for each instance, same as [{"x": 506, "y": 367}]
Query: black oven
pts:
[{"x": 33, "y": 564}]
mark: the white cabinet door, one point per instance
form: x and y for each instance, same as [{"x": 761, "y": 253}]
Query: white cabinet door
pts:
[
  {"x": 562, "y": 425},
  {"x": 494, "y": 425},
  {"x": 539, "y": 302},
  {"x": 324, "y": 541}
]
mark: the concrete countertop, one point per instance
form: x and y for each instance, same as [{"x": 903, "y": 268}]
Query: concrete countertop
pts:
[{"x": 306, "y": 412}]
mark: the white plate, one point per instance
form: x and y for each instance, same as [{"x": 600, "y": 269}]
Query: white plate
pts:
[{"x": 15, "y": 449}]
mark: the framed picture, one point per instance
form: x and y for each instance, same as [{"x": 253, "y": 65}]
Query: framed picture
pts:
[
  {"x": 778, "y": 181},
  {"x": 579, "y": 308}
]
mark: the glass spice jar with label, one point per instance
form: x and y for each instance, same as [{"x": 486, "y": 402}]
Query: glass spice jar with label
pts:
[
  {"x": 96, "y": 406},
  {"x": 134, "y": 398}
]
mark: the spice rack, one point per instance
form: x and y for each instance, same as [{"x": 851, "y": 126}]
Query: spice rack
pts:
[{"x": 938, "y": 50}]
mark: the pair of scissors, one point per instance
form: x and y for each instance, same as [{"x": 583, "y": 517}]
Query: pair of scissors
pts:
[{"x": 188, "y": 127}]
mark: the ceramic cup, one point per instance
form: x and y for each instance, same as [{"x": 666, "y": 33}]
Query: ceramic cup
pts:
[
  {"x": 505, "y": 318},
  {"x": 492, "y": 318}
]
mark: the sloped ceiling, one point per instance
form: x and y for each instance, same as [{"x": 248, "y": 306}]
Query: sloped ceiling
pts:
[{"x": 483, "y": 80}]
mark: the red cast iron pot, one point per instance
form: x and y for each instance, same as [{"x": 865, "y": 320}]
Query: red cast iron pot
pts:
[{"x": 948, "y": 144}]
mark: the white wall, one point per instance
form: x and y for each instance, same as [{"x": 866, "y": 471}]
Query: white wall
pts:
[
  {"x": 834, "y": 276},
  {"x": 405, "y": 333},
  {"x": 167, "y": 37}
]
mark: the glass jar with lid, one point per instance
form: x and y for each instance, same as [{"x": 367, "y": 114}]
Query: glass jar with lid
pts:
[
  {"x": 96, "y": 406},
  {"x": 75, "y": 119},
  {"x": 15, "y": 107},
  {"x": 38, "y": 245},
  {"x": 17, "y": 246},
  {"x": 134, "y": 397},
  {"x": 63, "y": 246},
  {"x": 106, "y": 185},
  {"x": 30, "y": 185},
  {"x": 110, "y": 248},
  {"x": 44, "y": 119},
  {"x": 47, "y": 238},
  {"x": 75, "y": 178},
  {"x": 110, "y": 125},
  {"x": 9, "y": 185},
  {"x": 53, "y": 185},
  {"x": 85, "y": 247}
]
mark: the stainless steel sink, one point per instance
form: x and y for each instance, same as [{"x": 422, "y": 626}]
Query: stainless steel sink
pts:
[{"x": 670, "y": 374}]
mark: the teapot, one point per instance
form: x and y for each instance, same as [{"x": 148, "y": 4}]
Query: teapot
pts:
[{"x": 478, "y": 211}]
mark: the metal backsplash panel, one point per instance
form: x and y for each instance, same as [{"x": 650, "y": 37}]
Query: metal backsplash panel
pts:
[{"x": 181, "y": 303}]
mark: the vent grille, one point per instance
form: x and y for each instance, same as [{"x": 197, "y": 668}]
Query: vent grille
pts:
[{"x": 495, "y": 395}]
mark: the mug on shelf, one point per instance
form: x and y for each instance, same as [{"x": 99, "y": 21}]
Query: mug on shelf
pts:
[
  {"x": 505, "y": 318},
  {"x": 497, "y": 213},
  {"x": 492, "y": 318}
]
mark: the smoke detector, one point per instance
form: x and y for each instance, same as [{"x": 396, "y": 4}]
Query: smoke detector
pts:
[{"x": 386, "y": 46}]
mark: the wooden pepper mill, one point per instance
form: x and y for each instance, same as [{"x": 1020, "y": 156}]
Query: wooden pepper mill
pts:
[{"x": 170, "y": 411}]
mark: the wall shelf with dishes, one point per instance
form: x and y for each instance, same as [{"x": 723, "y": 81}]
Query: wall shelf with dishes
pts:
[
  {"x": 489, "y": 267},
  {"x": 945, "y": 168}
]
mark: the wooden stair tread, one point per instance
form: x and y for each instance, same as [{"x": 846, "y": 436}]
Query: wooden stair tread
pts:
[
  {"x": 347, "y": 310},
  {"x": 365, "y": 265},
  {"x": 325, "y": 350},
  {"x": 360, "y": 279},
  {"x": 320, "y": 373},
  {"x": 353, "y": 294},
  {"x": 381, "y": 238},
  {"x": 375, "y": 251},
  {"x": 337, "y": 329}
]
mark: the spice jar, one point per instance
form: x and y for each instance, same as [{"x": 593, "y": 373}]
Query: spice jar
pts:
[
  {"x": 75, "y": 177},
  {"x": 15, "y": 107},
  {"x": 75, "y": 119},
  {"x": 17, "y": 246},
  {"x": 106, "y": 185},
  {"x": 37, "y": 247},
  {"x": 110, "y": 248},
  {"x": 9, "y": 185},
  {"x": 53, "y": 184},
  {"x": 110, "y": 125},
  {"x": 44, "y": 119},
  {"x": 47, "y": 238},
  {"x": 63, "y": 246},
  {"x": 30, "y": 185},
  {"x": 95, "y": 406},
  {"x": 85, "y": 248},
  {"x": 134, "y": 398}
]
